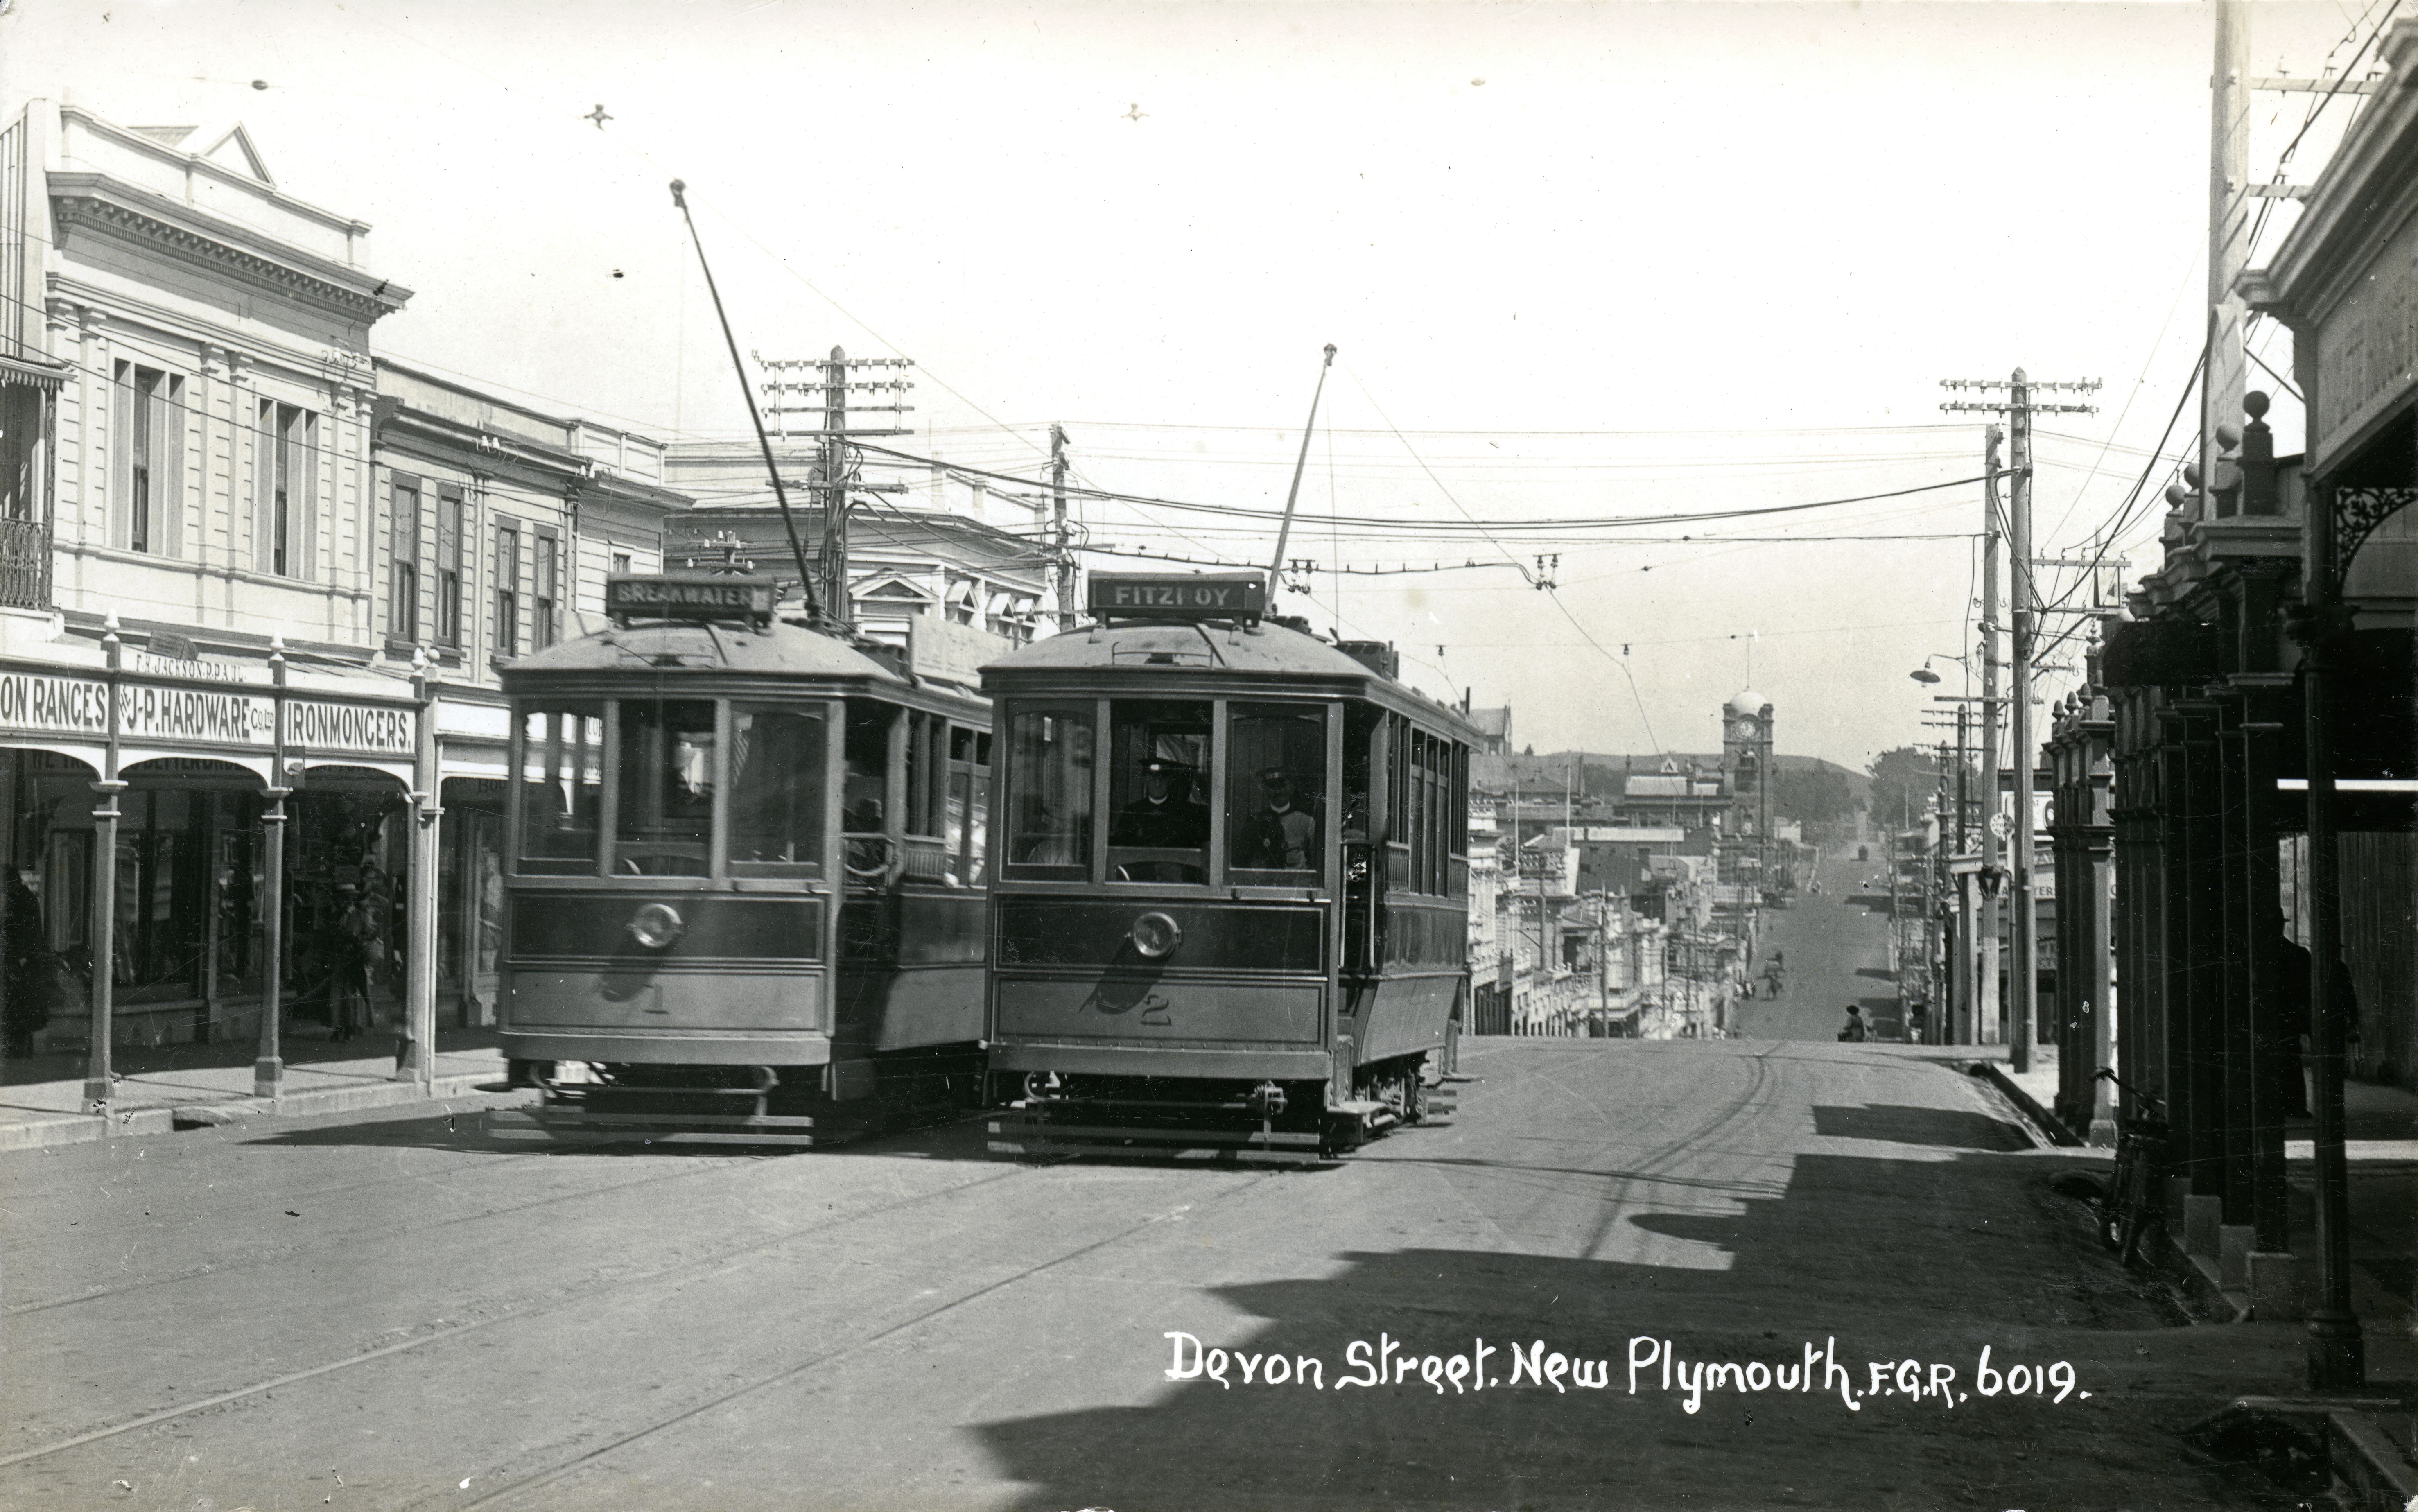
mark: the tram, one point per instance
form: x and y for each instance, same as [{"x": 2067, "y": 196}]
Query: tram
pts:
[
  {"x": 743, "y": 897},
  {"x": 1229, "y": 914}
]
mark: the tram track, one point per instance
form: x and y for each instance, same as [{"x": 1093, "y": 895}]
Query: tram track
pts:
[
  {"x": 541, "y": 1479},
  {"x": 287, "y": 1252},
  {"x": 575, "y": 1294}
]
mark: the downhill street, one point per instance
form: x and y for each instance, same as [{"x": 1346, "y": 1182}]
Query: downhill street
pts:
[{"x": 397, "y": 1313}]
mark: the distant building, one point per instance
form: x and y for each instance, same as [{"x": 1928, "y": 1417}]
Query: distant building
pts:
[{"x": 941, "y": 569}]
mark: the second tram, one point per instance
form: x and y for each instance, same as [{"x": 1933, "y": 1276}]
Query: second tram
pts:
[
  {"x": 744, "y": 889},
  {"x": 1230, "y": 919}
]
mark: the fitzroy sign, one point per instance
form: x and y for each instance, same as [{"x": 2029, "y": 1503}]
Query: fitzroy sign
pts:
[{"x": 38, "y": 703}]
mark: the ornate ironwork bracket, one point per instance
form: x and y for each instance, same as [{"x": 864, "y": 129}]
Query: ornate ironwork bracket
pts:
[{"x": 2357, "y": 513}]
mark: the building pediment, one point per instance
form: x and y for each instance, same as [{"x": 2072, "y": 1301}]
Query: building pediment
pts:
[{"x": 97, "y": 205}]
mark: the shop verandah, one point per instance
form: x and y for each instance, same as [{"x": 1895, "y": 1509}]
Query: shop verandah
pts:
[{"x": 212, "y": 854}]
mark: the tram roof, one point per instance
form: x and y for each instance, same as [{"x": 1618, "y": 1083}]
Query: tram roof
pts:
[
  {"x": 1214, "y": 650},
  {"x": 777, "y": 649}
]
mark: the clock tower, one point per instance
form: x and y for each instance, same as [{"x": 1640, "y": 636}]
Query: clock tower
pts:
[{"x": 1746, "y": 761}]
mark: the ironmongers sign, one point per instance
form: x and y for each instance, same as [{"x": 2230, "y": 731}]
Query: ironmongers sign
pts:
[
  {"x": 367, "y": 729},
  {"x": 36, "y": 703}
]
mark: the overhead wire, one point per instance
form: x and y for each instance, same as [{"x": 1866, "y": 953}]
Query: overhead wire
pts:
[{"x": 1635, "y": 697}]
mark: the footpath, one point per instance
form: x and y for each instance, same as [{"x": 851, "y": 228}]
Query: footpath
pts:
[
  {"x": 194, "y": 1086},
  {"x": 2366, "y": 1438}
]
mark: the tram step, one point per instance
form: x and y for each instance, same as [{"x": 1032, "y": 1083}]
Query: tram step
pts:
[
  {"x": 1040, "y": 1133},
  {"x": 573, "y": 1125}
]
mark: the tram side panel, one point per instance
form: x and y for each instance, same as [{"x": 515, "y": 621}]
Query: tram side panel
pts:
[
  {"x": 743, "y": 985},
  {"x": 911, "y": 969},
  {"x": 1243, "y": 996},
  {"x": 1408, "y": 1008}
]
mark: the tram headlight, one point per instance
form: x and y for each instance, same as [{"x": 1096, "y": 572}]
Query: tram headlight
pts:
[
  {"x": 1156, "y": 936},
  {"x": 656, "y": 925}
]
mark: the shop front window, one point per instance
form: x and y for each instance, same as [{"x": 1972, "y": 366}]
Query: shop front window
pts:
[
  {"x": 1159, "y": 758},
  {"x": 562, "y": 787},
  {"x": 776, "y": 790},
  {"x": 162, "y": 895},
  {"x": 1049, "y": 760},
  {"x": 665, "y": 826},
  {"x": 1276, "y": 793}
]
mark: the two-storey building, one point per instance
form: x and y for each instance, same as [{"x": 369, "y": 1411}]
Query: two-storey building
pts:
[{"x": 253, "y": 587}]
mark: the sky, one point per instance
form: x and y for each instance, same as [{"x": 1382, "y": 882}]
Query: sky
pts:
[{"x": 1578, "y": 261}]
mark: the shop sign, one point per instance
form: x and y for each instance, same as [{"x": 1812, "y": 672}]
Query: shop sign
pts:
[
  {"x": 148, "y": 714},
  {"x": 365, "y": 729},
  {"x": 2368, "y": 345},
  {"x": 53, "y": 705}
]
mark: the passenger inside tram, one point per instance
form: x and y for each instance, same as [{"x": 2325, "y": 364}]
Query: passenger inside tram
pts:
[
  {"x": 1282, "y": 835},
  {"x": 1164, "y": 816},
  {"x": 1161, "y": 834},
  {"x": 1276, "y": 793}
]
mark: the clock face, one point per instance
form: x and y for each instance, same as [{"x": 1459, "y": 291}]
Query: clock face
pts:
[{"x": 1743, "y": 729}]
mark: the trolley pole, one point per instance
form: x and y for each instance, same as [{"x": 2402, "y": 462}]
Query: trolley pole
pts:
[{"x": 1064, "y": 548}]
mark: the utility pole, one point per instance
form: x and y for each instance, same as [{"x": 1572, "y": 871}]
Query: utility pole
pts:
[
  {"x": 1058, "y": 515},
  {"x": 2019, "y": 547},
  {"x": 1934, "y": 953},
  {"x": 1967, "y": 956},
  {"x": 1988, "y": 1009},
  {"x": 2019, "y": 406},
  {"x": 834, "y": 463}
]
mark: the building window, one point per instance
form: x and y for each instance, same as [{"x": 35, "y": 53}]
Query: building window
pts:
[
  {"x": 546, "y": 588},
  {"x": 147, "y": 464},
  {"x": 507, "y": 584},
  {"x": 285, "y": 527},
  {"x": 450, "y": 521},
  {"x": 403, "y": 606},
  {"x": 620, "y": 561}
]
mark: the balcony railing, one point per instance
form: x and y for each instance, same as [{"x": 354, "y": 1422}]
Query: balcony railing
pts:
[{"x": 25, "y": 563}]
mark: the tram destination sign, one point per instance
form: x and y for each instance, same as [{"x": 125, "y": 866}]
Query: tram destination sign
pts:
[
  {"x": 1179, "y": 596},
  {"x": 696, "y": 597}
]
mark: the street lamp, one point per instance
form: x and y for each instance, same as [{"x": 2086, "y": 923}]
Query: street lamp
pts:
[{"x": 1924, "y": 673}]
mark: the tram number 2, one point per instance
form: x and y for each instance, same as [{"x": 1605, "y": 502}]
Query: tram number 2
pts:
[{"x": 1155, "y": 1009}]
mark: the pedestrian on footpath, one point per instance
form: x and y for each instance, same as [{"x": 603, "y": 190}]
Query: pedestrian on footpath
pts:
[{"x": 1854, "y": 1032}]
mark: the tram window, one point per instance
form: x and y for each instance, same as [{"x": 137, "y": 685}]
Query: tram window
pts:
[
  {"x": 1049, "y": 760},
  {"x": 1158, "y": 751},
  {"x": 776, "y": 790},
  {"x": 864, "y": 785},
  {"x": 968, "y": 817},
  {"x": 1459, "y": 819},
  {"x": 1275, "y": 792},
  {"x": 664, "y": 827},
  {"x": 562, "y": 787}
]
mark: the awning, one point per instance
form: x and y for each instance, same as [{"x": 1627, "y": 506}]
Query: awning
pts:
[{"x": 33, "y": 371}]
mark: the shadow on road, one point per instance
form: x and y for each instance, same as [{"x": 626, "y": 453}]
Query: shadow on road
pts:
[
  {"x": 958, "y": 1140},
  {"x": 1894, "y": 1259},
  {"x": 1942, "y": 1127}
]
